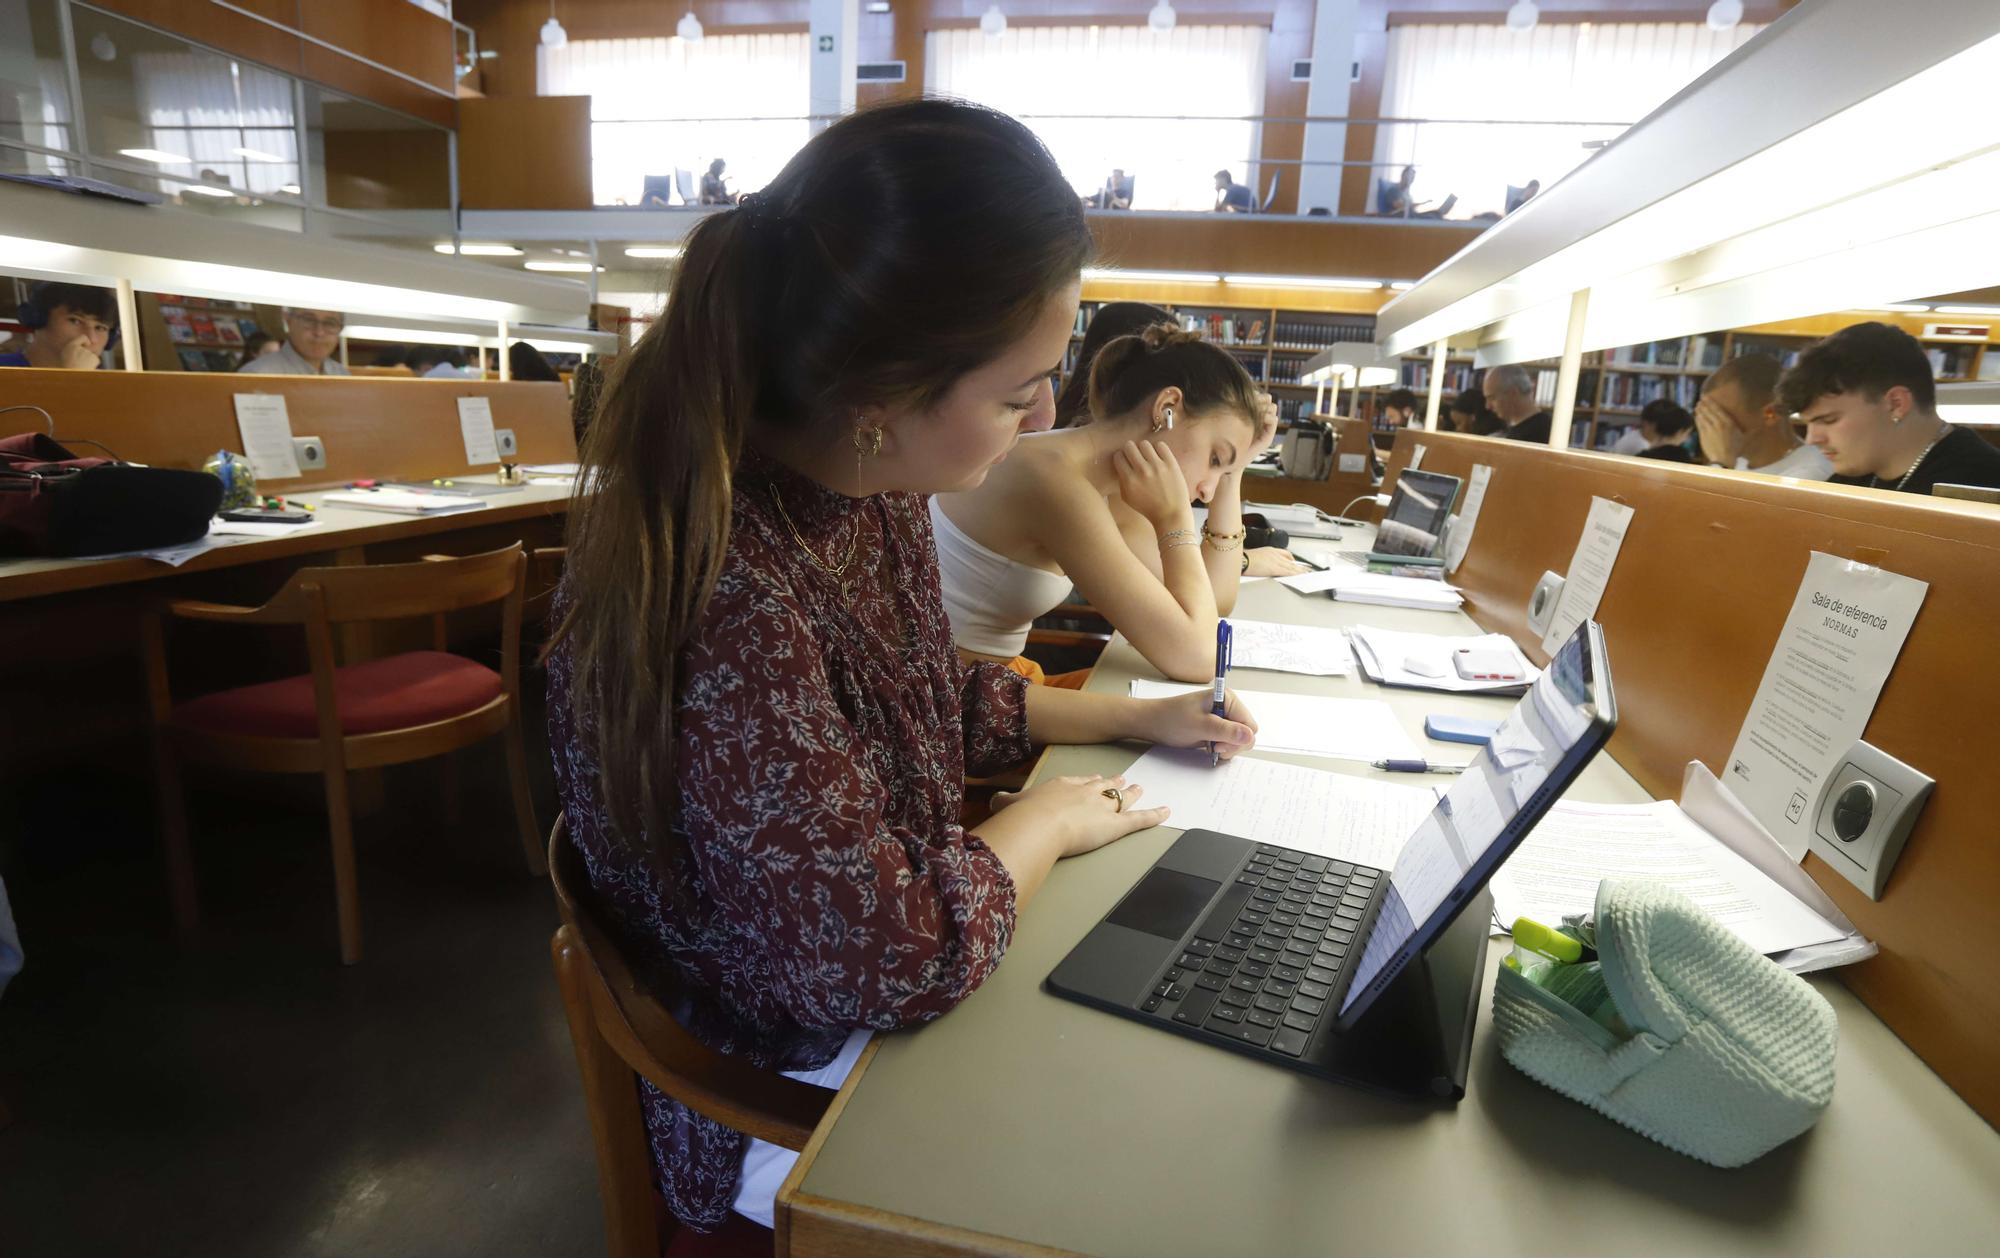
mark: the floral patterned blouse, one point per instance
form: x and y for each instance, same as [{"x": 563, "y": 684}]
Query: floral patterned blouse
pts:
[{"x": 824, "y": 733}]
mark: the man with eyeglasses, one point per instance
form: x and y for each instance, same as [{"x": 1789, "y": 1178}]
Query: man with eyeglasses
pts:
[{"x": 311, "y": 339}]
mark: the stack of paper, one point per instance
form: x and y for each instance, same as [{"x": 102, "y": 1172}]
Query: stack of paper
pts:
[
  {"x": 402, "y": 501},
  {"x": 1423, "y": 661},
  {"x": 1308, "y": 725},
  {"x": 1334, "y": 815},
  {"x": 1354, "y": 585},
  {"x": 1297, "y": 519}
]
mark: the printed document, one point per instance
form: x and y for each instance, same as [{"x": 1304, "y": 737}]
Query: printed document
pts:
[
  {"x": 1334, "y": 815},
  {"x": 1843, "y": 636},
  {"x": 475, "y": 424},
  {"x": 1589, "y": 569},
  {"x": 1277, "y": 648},
  {"x": 266, "y": 429},
  {"x": 1460, "y": 540},
  {"x": 1310, "y": 725}
]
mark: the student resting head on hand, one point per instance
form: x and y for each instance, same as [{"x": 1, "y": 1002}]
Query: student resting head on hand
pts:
[
  {"x": 69, "y": 327},
  {"x": 760, "y": 726},
  {"x": 1742, "y": 426},
  {"x": 1106, "y": 506}
]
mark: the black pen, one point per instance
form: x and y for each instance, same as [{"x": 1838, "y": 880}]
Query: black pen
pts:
[{"x": 1417, "y": 766}]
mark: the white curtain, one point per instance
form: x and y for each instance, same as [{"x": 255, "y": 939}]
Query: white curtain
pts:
[
  {"x": 1584, "y": 72},
  {"x": 1138, "y": 76},
  {"x": 639, "y": 89},
  {"x": 223, "y": 116}
]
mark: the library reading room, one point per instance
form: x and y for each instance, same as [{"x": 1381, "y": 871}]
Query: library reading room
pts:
[{"x": 872, "y": 628}]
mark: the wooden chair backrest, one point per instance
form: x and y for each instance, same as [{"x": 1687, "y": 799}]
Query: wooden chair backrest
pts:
[
  {"x": 633, "y": 1019},
  {"x": 1706, "y": 577},
  {"x": 398, "y": 591},
  {"x": 380, "y": 429}
]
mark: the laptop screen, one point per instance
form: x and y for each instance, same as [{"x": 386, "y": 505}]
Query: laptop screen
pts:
[
  {"x": 1414, "y": 520},
  {"x": 1550, "y": 735}
]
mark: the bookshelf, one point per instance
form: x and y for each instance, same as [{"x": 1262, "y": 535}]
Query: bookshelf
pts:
[{"x": 194, "y": 333}]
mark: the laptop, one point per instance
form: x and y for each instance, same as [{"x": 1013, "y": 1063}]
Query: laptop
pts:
[
  {"x": 1412, "y": 529},
  {"x": 1280, "y": 953}
]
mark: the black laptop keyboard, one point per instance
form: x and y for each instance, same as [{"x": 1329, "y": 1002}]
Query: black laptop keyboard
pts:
[{"x": 1272, "y": 956}]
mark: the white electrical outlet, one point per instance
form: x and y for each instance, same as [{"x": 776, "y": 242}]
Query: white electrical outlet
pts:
[
  {"x": 1542, "y": 603},
  {"x": 310, "y": 452},
  {"x": 1866, "y": 810},
  {"x": 503, "y": 441}
]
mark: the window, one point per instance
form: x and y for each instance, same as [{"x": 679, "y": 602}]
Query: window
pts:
[
  {"x": 1126, "y": 72},
  {"x": 1580, "y": 72},
  {"x": 663, "y": 109}
]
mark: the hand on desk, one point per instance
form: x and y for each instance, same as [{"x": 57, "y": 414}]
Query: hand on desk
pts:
[
  {"x": 1086, "y": 812},
  {"x": 1185, "y": 721},
  {"x": 1274, "y": 561}
]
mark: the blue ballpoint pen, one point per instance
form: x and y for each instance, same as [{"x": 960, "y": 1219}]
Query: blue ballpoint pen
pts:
[{"x": 1219, "y": 703}]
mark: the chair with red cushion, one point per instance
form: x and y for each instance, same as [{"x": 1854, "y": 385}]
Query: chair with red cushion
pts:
[{"x": 363, "y": 715}]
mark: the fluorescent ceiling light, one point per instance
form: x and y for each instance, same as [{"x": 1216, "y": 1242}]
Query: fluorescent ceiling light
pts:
[
  {"x": 653, "y": 251},
  {"x": 559, "y": 347},
  {"x": 1300, "y": 281},
  {"x": 1402, "y": 286},
  {"x": 155, "y": 155},
  {"x": 210, "y": 190},
  {"x": 1151, "y": 277},
  {"x": 580, "y": 268},
  {"x": 480, "y": 251},
  {"x": 414, "y": 336},
  {"x": 257, "y": 155},
  {"x": 1987, "y": 311},
  {"x": 1899, "y": 308}
]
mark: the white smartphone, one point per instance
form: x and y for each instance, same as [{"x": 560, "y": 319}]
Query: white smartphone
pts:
[{"x": 1486, "y": 664}]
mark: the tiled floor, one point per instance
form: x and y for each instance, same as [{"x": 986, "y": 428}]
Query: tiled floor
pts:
[{"x": 246, "y": 1094}]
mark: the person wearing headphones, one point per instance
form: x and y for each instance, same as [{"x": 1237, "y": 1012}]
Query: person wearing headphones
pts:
[{"x": 69, "y": 327}]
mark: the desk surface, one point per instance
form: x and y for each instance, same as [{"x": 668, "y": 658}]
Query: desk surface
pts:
[
  {"x": 335, "y": 528},
  {"x": 1020, "y": 1115}
]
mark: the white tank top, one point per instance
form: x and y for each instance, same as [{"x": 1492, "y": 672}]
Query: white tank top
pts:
[{"x": 990, "y": 599}]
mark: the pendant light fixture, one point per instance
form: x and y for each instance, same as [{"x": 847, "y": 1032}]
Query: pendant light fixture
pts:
[
  {"x": 993, "y": 22},
  {"x": 1523, "y": 16},
  {"x": 1162, "y": 17},
  {"x": 689, "y": 27},
  {"x": 553, "y": 34},
  {"x": 1723, "y": 15}
]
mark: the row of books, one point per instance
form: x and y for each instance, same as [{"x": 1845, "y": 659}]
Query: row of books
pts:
[
  {"x": 1457, "y": 379},
  {"x": 1226, "y": 329},
  {"x": 1630, "y": 391},
  {"x": 1298, "y": 334}
]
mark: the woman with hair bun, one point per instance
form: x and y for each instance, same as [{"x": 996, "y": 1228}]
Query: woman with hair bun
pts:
[
  {"x": 761, "y": 729},
  {"x": 1105, "y": 506}
]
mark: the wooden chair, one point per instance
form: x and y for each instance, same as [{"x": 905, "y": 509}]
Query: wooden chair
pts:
[
  {"x": 623, "y": 1032},
  {"x": 364, "y": 715}
]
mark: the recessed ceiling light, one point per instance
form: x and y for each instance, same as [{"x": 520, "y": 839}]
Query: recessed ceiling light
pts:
[
  {"x": 155, "y": 155},
  {"x": 1151, "y": 277},
  {"x": 1300, "y": 281},
  {"x": 481, "y": 251},
  {"x": 1402, "y": 286},
  {"x": 577, "y": 267},
  {"x": 1986, "y": 311},
  {"x": 653, "y": 251}
]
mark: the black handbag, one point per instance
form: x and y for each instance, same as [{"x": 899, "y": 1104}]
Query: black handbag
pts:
[{"x": 56, "y": 505}]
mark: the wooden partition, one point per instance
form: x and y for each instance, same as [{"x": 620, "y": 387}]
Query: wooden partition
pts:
[
  {"x": 1704, "y": 581},
  {"x": 372, "y": 428}
]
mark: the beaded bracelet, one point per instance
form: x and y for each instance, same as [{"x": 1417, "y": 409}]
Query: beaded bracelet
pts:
[{"x": 1179, "y": 537}]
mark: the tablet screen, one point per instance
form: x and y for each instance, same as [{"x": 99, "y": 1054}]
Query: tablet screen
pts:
[{"x": 1414, "y": 520}]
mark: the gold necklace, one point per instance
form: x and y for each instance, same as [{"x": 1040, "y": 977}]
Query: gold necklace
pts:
[{"x": 835, "y": 572}]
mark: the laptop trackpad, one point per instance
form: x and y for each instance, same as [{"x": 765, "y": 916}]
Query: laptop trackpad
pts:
[{"x": 1166, "y": 903}]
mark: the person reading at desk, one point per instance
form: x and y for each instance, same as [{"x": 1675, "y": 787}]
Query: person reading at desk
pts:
[
  {"x": 1105, "y": 506},
  {"x": 312, "y": 337},
  {"x": 69, "y": 327},
  {"x": 759, "y": 724},
  {"x": 1869, "y": 404},
  {"x": 1664, "y": 425},
  {"x": 1510, "y": 394},
  {"x": 1741, "y": 426}
]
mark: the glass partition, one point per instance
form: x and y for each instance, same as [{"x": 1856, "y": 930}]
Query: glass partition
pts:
[{"x": 34, "y": 98}]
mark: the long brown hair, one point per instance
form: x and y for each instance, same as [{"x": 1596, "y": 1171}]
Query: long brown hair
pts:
[
  {"x": 1112, "y": 320},
  {"x": 1132, "y": 369},
  {"x": 898, "y": 250}
]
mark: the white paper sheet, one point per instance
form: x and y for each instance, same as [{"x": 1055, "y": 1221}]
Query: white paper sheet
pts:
[
  {"x": 256, "y": 528},
  {"x": 1460, "y": 540},
  {"x": 1385, "y": 655},
  {"x": 1589, "y": 569},
  {"x": 1278, "y": 648},
  {"x": 1310, "y": 725},
  {"x": 1357, "y": 585},
  {"x": 1844, "y": 633},
  {"x": 1557, "y": 870},
  {"x": 475, "y": 424},
  {"x": 266, "y": 430},
  {"x": 1329, "y": 814},
  {"x": 1416, "y": 458}
]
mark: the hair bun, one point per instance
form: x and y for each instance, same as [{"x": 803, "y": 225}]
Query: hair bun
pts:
[{"x": 1166, "y": 335}]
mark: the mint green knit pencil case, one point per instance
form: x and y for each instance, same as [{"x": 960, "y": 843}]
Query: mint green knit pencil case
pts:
[{"x": 1728, "y": 1055}]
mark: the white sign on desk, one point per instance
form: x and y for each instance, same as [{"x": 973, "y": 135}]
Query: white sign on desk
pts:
[
  {"x": 266, "y": 430},
  {"x": 475, "y": 424},
  {"x": 1844, "y": 633},
  {"x": 1589, "y": 570},
  {"x": 1460, "y": 540}
]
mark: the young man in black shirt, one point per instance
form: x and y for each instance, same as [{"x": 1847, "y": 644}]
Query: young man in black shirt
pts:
[
  {"x": 1869, "y": 402},
  {"x": 1665, "y": 424}
]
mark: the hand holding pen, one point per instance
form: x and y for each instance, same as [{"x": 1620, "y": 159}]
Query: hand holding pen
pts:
[{"x": 1219, "y": 698}]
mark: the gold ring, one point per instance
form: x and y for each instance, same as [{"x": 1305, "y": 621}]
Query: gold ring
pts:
[{"x": 1116, "y": 796}]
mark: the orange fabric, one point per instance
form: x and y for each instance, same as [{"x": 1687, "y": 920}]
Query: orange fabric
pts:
[{"x": 1061, "y": 681}]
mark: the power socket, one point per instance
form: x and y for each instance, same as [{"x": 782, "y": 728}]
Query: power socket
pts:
[
  {"x": 1542, "y": 603},
  {"x": 503, "y": 441},
  {"x": 1866, "y": 811},
  {"x": 310, "y": 453}
]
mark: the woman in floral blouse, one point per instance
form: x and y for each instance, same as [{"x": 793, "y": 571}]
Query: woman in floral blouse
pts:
[{"x": 760, "y": 724}]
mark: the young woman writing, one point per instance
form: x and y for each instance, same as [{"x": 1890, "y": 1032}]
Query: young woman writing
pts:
[
  {"x": 760, "y": 725},
  {"x": 1106, "y": 506}
]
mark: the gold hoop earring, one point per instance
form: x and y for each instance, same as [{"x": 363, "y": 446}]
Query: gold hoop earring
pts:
[{"x": 868, "y": 441}]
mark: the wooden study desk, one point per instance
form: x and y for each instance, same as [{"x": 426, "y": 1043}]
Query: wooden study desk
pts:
[{"x": 1023, "y": 1123}]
